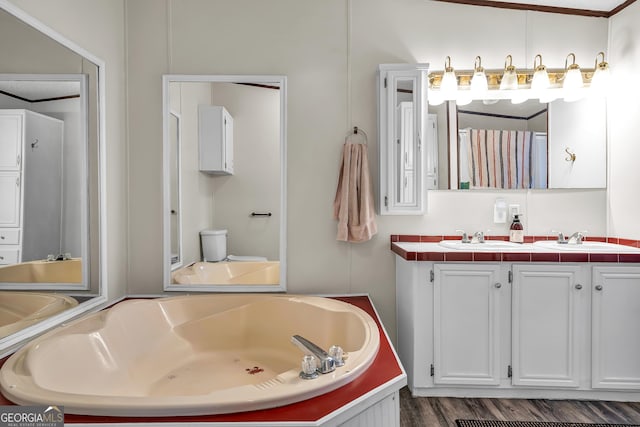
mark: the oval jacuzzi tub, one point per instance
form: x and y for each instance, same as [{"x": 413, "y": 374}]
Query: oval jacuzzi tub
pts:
[{"x": 189, "y": 355}]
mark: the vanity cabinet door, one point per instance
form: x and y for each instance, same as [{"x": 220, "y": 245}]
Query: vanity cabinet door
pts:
[
  {"x": 547, "y": 305},
  {"x": 467, "y": 327},
  {"x": 615, "y": 328}
]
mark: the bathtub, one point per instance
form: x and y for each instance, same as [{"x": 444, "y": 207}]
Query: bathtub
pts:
[
  {"x": 21, "y": 309},
  {"x": 189, "y": 355},
  {"x": 68, "y": 271},
  {"x": 229, "y": 273}
]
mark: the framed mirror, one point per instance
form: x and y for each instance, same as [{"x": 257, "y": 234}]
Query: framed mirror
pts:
[
  {"x": 51, "y": 178},
  {"x": 552, "y": 145},
  {"x": 224, "y": 183}
]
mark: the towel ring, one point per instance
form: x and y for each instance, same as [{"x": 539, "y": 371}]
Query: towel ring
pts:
[{"x": 358, "y": 136}]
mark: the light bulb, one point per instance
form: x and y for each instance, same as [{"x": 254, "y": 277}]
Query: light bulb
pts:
[
  {"x": 509, "y": 77},
  {"x": 601, "y": 77},
  {"x": 449, "y": 85},
  {"x": 540, "y": 81},
  {"x": 479, "y": 84},
  {"x": 573, "y": 83},
  {"x": 509, "y": 80}
]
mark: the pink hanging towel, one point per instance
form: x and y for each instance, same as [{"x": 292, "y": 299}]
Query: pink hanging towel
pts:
[{"x": 353, "y": 206}]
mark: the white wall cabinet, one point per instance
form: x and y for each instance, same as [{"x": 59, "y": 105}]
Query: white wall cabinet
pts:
[
  {"x": 524, "y": 330},
  {"x": 466, "y": 314},
  {"x": 30, "y": 185},
  {"x": 615, "y": 328},
  {"x": 401, "y": 129},
  {"x": 215, "y": 140}
]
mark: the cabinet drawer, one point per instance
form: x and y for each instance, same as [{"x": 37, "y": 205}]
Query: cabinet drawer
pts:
[
  {"x": 9, "y": 236},
  {"x": 9, "y": 256}
]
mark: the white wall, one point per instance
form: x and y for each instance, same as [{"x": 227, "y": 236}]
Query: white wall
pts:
[
  {"x": 624, "y": 126},
  {"x": 98, "y": 27},
  {"x": 330, "y": 50}
]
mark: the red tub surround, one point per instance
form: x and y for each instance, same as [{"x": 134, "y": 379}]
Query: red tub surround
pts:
[{"x": 428, "y": 248}]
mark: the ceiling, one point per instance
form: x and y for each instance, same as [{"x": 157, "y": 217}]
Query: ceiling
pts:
[{"x": 37, "y": 90}]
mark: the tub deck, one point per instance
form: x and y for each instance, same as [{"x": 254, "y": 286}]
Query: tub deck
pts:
[{"x": 385, "y": 373}]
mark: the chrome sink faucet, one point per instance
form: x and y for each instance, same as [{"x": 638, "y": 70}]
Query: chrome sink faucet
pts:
[
  {"x": 576, "y": 238},
  {"x": 561, "y": 239},
  {"x": 478, "y": 237},
  {"x": 465, "y": 236}
]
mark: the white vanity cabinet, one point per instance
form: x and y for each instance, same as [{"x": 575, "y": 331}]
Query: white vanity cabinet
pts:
[
  {"x": 548, "y": 309},
  {"x": 615, "y": 328},
  {"x": 526, "y": 330},
  {"x": 215, "y": 140}
]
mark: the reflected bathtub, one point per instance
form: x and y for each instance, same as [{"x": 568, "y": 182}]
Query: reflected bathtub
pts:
[
  {"x": 229, "y": 273},
  {"x": 189, "y": 355},
  {"x": 68, "y": 271},
  {"x": 21, "y": 309}
]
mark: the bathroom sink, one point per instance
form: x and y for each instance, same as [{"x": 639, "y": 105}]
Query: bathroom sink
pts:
[
  {"x": 584, "y": 246},
  {"x": 488, "y": 245}
]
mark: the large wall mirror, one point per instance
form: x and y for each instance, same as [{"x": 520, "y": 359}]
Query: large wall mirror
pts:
[
  {"x": 51, "y": 158},
  {"x": 224, "y": 183},
  {"x": 495, "y": 144}
]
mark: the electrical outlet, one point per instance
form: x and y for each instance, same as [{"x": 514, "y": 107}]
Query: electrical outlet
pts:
[{"x": 514, "y": 210}]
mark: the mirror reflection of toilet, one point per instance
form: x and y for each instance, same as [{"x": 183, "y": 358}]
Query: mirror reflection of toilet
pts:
[{"x": 214, "y": 248}]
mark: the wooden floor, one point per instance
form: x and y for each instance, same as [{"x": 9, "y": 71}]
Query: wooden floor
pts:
[{"x": 443, "y": 411}]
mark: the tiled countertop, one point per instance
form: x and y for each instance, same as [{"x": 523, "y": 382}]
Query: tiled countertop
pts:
[{"x": 427, "y": 248}]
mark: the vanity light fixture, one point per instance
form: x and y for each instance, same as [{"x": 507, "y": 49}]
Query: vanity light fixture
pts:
[
  {"x": 572, "y": 80},
  {"x": 449, "y": 84},
  {"x": 601, "y": 76},
  {"x": 543, "y": 83},
  {"x": 509, "y": 77}
]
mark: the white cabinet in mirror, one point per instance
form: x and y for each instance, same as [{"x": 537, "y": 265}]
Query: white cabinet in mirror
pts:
[
  {"x": 403, "y": 140},
  {"x": 224, "y": 192},
  {"x": 52, "y": 163}
]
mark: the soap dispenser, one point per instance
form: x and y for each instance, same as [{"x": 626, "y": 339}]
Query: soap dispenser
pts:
[{"x": 516, "y": 231}]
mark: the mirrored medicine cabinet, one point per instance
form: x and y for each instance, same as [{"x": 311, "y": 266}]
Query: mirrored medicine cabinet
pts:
[{"x": 555, "y": 145}]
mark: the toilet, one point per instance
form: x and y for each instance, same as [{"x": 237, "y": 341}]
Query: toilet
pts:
[{"x": 214, "y": 248}]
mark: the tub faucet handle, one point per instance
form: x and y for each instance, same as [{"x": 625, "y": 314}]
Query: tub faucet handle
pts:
[
  {"x": 309, "y": 368},
  {"x": 336, "y": 352}
]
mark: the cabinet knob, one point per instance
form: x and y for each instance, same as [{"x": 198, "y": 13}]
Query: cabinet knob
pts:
[
  {"x": 498, "y": 285},
  {"x": 578, "y": 286},
  {"x": 598, "y": 287}
]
